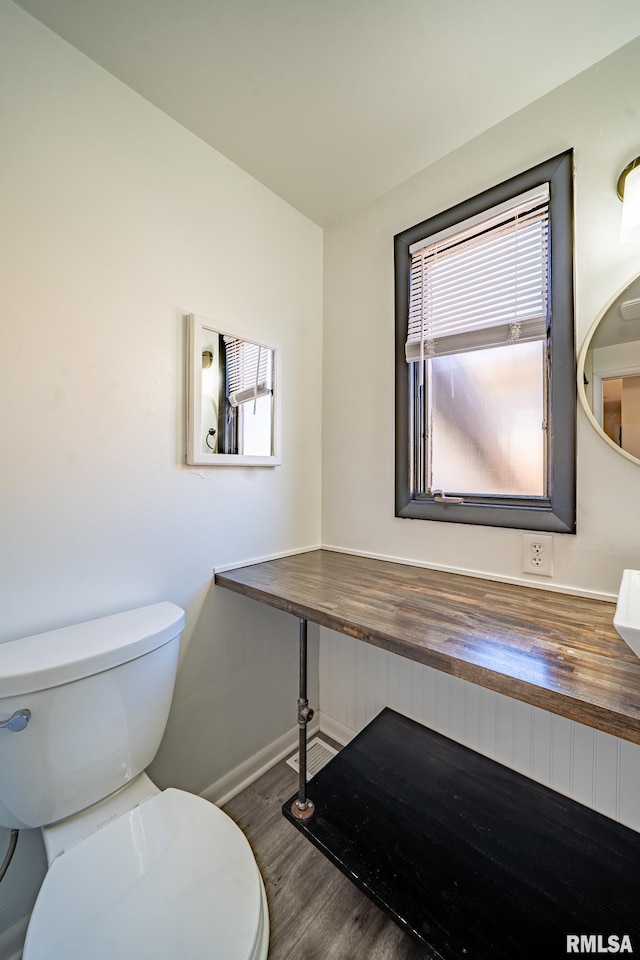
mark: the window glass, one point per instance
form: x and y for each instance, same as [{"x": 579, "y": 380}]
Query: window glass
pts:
[
  {"x": 255, "y": 427},
  {"x": 487, "y": 421}
]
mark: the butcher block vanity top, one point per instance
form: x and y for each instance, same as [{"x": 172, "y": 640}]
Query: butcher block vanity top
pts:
[{"x": 553, "y": 650}]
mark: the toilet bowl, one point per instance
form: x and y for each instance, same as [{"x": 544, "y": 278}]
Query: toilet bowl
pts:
[
  {"x": 172, "y": 878},
  {"x": 134, "y": 871}
]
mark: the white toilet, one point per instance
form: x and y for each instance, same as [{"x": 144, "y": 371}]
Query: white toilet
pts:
[{"x": 134, "y": 872}]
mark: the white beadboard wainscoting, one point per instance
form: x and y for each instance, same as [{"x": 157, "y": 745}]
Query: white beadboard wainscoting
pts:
[{"x": 599, "y": 770}]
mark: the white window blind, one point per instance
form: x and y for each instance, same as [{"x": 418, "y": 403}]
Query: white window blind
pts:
[
  {"x": 483, "y": 285},
  {"x": 249, "y": 369}
]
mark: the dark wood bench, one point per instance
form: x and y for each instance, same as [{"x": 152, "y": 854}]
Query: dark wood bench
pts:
[{"x": 472, "y": 859}]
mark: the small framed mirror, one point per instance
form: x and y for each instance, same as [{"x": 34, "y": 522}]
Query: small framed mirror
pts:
[
  {"x": 231, "y": 397},
  {"x": 609, "y": 372}
]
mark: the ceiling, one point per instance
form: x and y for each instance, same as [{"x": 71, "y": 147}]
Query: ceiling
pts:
[{"x": 331, "y": 103}]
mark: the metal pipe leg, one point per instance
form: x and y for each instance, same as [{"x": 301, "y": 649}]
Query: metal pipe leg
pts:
[{"x": 302, "y": 808}]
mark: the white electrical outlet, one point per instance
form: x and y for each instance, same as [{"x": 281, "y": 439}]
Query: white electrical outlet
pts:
[{"x": 537, "y": 554}]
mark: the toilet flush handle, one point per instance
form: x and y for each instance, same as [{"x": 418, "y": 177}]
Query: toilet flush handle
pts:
[{"x": 17, "y": 721}]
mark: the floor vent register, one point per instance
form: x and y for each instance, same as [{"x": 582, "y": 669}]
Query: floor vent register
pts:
[{"x": 318, "y": 755}]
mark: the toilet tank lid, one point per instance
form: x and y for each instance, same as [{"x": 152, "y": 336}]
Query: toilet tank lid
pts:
[{"x": 71, "y": 653}]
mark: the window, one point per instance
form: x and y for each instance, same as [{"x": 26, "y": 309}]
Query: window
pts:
[{"x": 485, "y": 382}]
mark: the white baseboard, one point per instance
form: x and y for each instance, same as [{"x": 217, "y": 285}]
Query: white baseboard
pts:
[
  {"x": 12, "y": 940},
  {"x": 227, "y": 787},
  {"x": 336, "y": 730},
  {"x": 225, "y": 567},
  {"x": 246, "y": 773}
]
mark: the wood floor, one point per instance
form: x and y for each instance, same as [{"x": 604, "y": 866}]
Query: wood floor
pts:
[{"x": 314, "y": 911}]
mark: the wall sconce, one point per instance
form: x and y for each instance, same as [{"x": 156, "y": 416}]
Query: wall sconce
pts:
[{"x": 629, "y": 192}]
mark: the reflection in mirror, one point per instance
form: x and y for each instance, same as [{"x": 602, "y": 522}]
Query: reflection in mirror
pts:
[
  {"x": 609, "y": 372},
  {"x": 231, "y": 398}
]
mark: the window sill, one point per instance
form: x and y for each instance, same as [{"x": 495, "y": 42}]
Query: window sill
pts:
[{"x": 530, "y": 517}]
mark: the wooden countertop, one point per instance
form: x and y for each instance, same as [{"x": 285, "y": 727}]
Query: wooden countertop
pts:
[{"x": 555, "y": 651}]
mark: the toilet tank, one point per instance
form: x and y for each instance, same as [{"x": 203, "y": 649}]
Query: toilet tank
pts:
[{"x": 99, "y": 695}]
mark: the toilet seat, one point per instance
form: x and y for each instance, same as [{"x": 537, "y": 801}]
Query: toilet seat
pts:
[{"x": 172, "y": 878}]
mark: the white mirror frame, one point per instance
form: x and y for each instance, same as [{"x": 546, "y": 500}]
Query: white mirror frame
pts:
[
  {"x": 196, "y": 326},
  {"x": 582, "y": 394}
]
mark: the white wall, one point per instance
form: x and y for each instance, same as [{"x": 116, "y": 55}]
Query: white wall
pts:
[
  {"x": 597, "y": 115},
  {"x": 116, "y": 222}
]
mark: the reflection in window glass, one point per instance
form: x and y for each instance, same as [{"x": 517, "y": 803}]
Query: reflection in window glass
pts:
[
  {"x": 255, "y": 427},
  {"x": 487, "y": 421}
]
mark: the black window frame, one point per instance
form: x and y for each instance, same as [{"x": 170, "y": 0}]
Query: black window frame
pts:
[{"x": 555, "y": 513}]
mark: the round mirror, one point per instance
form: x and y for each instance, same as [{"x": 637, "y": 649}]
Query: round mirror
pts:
[{"x": 609, "y": 372}]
